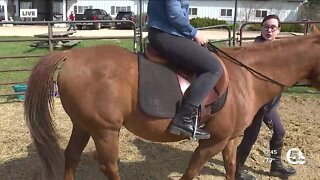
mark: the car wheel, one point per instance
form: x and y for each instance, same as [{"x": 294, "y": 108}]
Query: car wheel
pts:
[{"x": 97, "y": 26}]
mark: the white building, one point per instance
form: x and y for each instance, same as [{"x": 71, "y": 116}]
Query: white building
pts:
[{"x": 248, "y": 10}]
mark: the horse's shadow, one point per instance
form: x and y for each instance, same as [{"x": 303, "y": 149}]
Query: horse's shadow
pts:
[
  {"x": 259, "y": 171},
  {"x": 162, "y": 159},
  {"x": 159, "y": 161}
]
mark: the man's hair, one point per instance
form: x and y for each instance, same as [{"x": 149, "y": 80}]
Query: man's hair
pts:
[{"x": 271, "y": 16}]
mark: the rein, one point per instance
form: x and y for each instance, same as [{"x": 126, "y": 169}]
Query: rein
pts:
[{"x": 255, "y": 73}]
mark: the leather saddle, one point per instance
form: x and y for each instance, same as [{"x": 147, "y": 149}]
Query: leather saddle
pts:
[
  {"x": 185, "y": 78},
  {"x": 149, "y": 103}
]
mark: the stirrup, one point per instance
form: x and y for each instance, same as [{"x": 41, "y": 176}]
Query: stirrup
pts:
[{"x": 195, "y": 127}]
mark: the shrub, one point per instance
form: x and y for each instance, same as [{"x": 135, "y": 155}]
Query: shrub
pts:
[
  {"x": 292, "y": 28},
  {"x": 231, "y": 26},
  {"x": 284, "y": 27},
  {"x": 204, "y": 22},
  {"x": 254, "y": 27}
]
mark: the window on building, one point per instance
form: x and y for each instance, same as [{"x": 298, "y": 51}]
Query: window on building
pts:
[
  {"x": 57, "y": 7},
  {"x": 261, "y": 13},
  {"x": 25, "y": 5},
  {"x": 80, "y": 9},
  {"x": 193, "y": 11},
  {"x": 1, "y": 12},
  {"x": 226, "y": 12},
  {"x": 116, "y": 9}
]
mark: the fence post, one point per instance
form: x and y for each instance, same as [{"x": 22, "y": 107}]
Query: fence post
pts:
[{"x": 50, "y": 37}]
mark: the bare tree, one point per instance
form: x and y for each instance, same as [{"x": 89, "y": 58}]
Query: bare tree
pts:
[
  {"x": 310, "y": 10},
  {"x": 248, "y": 10}
]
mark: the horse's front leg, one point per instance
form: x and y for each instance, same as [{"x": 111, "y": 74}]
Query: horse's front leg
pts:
[
  {"x": 229, "y": 157},
  {"x": 78, "y": 141},
  {"x": 205, "y": 150}
]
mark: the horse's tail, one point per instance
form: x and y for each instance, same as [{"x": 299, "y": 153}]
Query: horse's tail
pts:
[{"x": 38, "y": 106}]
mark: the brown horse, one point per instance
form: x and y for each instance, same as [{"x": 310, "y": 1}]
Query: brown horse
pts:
[{"x": 98, "y": 88}]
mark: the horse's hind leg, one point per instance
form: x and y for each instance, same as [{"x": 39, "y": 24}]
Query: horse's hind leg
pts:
[
  {"x": 229, "y": 158},
  {"x": 78, "y": 141},
  {"x": 107, "y": 150}
]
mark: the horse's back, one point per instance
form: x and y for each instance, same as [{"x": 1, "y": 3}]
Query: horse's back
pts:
[{"x": 98, "y": 81}]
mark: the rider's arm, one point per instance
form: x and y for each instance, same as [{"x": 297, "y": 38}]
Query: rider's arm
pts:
[{"x": 179, "y": 18}]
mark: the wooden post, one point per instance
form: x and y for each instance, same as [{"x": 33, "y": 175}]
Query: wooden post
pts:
[
  {"x": 50, "y": 36},
  {"x": 235, "y": 22}
]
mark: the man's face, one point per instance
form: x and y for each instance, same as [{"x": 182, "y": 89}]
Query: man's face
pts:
[{"x": 270, "y": 29}]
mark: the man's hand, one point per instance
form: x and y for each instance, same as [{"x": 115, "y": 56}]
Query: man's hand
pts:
[{"x": 199, "y": 38}]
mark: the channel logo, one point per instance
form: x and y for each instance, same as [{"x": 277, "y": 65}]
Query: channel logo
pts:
[{"x": 295, "y": 156}]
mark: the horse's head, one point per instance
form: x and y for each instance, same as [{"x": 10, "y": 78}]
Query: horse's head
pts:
[
  {"x": 314, "y": 28},
  {"x": 314, "y": 79},
  {"x": 314, "y": 76}
]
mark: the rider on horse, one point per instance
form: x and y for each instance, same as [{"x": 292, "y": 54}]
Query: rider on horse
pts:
[{"x": 171, "y": 33}]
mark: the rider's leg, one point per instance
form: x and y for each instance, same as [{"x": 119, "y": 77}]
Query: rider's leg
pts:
[{"x": 189, "y": 55}]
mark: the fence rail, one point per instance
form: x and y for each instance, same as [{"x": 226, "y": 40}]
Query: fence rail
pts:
[
  {"x": 50, "y": 39},
  {"x": 229, "y": 39}
]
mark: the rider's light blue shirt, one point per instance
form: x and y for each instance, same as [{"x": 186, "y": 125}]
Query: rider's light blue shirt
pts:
[{"x": 171, "y": 16}]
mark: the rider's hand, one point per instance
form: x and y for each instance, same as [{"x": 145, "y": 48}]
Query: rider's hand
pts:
[{"x": 199, "y": 38}]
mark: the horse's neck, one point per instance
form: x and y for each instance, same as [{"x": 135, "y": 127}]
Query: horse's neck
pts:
[{"x": 286, "y": 62}]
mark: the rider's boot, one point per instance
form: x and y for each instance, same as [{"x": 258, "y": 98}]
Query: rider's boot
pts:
[
  {"x": 242, "y": 174},
  {"x": 277, "y": 168},
  {"x": 184, "y": 122}
]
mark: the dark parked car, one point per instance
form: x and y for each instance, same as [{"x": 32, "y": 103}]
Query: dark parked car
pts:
[
  {"x": 93, "y": 14},
  {"x": 125, "y": 15}
]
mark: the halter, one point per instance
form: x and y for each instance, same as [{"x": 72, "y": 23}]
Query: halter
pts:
[{"x": 255, "y": 73}]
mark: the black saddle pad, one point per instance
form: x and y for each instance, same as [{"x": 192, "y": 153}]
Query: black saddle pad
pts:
[{"x": 159, "y": 89}]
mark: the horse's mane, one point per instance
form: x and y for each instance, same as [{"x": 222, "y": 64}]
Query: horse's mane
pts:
[{"x": 246, "y": 53}]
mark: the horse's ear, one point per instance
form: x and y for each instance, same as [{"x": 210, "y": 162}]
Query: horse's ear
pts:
[{"x": 314, "y": 29}]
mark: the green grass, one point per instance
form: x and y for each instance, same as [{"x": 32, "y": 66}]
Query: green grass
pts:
[
  {"x": 302, "y": 90},
  {"x": 125, "y": 43},
  {"x": 18, "y": 48}
]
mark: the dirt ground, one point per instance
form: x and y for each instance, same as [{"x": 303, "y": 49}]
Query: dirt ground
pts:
[{"x": 143, "y": 160}]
